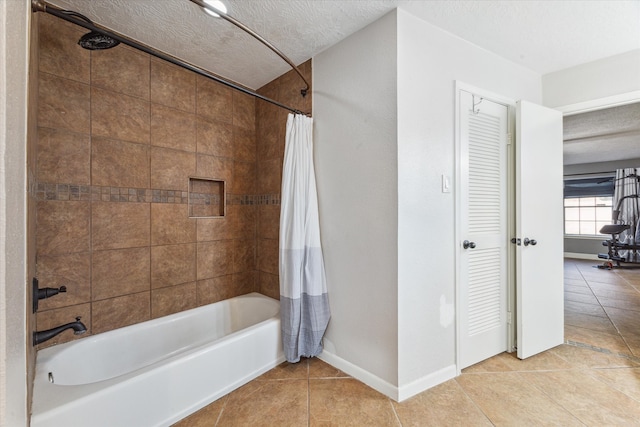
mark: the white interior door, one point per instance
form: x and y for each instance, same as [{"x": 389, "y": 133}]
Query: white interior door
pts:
[
  {"x": 539, "y": 255},
  {"x": 483, "y": 139}
]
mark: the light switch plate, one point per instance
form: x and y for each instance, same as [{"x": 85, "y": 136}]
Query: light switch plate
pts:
[{"x": 446, "y": 184}]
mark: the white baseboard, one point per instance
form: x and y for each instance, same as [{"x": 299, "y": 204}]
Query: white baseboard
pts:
[
  {"x": 360, "y": 374},
  {"x": 396, "y": 393},
  {"x": 426, "y": 382},
  {"x": 577, "y": 255}
]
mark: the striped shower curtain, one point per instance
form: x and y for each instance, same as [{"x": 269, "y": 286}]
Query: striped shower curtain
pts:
[{"x": 304, "y": 304}]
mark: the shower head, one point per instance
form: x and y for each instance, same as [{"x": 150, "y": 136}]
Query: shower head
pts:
[{"x": 97, "y": 41}]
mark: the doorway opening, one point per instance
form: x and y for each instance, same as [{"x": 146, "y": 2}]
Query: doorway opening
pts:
[{"x": 602, "y": 307}]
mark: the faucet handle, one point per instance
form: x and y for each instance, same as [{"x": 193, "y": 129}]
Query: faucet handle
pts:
[
  {"x": 49, "y": 292},
  {"x": 78, "y": 318}
]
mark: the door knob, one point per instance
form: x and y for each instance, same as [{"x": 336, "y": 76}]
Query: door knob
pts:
[
  {"x": 467, "y": 244},
  {"x": 531, "y": 242}
]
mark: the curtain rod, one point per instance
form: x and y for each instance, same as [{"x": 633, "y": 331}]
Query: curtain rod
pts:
[
  {"x": 592, "y": 174},
  {"x": 74, "y": 18},
  {"x": 258, "y": 37}
]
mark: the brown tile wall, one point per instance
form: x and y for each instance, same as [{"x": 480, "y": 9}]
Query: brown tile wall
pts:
[
  {"x": 271, "y": 124},
  {"x": 119, "y": 134}
]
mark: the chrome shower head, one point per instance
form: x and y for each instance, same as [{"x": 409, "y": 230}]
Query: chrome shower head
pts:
[{"x": 97, "y": 41}]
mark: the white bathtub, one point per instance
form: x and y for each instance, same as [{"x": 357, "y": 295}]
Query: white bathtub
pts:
[{"x": 157, "y": 372}]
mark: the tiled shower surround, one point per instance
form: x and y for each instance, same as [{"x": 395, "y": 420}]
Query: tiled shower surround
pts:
[{"x": 119, "y": 135}]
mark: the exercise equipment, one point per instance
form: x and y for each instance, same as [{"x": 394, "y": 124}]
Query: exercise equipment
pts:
[{"x": 619, "y": 251}]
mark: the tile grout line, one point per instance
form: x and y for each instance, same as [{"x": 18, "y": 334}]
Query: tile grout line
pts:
[
  {"x": 590, "y": 372},
  {"x": 149, "y": 208},
  {"x": 393, "y": 409},
  {"x": 472, "y": 400},
  {"x": 635, "y": 358},
  {"x": 224, "y": 405},
  {"x": 605, "y": 312},
  {"x": 603, "y": 350},
  {"x": 92, "y": 328},
  {"x": 198, "y": 222},
  {"x": 308, "y": 394},
  {"x": 541, "y": 390},
  {"x": 632, "y": 357}
]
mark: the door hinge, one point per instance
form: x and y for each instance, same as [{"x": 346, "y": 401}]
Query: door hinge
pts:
[
  {"x": 509, "y": 138},
  {"x": 509, "y": 318}
]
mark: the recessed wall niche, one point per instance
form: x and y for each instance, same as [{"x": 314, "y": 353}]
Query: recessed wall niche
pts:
[{"x": 206, "y": 198}]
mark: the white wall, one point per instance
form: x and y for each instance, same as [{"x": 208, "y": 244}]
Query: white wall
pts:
[
  {"x": 616, "y": 75},
  {"x": 384, "y": 117},
  {"x": 14, "y": 42},
  {"x": 354, "y": 93},
  {"x": 430, "y": 60}
]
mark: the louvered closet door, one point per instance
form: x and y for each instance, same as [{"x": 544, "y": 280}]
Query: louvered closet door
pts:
[{"x": 483, "y": 261}]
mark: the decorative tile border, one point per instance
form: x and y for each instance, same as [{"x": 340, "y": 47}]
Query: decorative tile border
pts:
[
  {"x": 74, "y": 192},
  {"x": 264, "y": 199}
]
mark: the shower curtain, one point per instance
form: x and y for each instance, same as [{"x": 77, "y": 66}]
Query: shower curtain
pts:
[
  {"x": 304, "y": 304},
  {"x": 626, "y": 184}
]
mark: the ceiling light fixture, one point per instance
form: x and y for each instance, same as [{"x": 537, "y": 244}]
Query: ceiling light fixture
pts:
[{"x": 218, "y": 5}]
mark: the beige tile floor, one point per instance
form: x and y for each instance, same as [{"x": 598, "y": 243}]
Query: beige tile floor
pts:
[{"x": 593, "y": 379}]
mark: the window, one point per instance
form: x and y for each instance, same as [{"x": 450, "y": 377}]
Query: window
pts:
[
  {"x": 587, "y": 204},
  {"x": 586, "y": 215}
]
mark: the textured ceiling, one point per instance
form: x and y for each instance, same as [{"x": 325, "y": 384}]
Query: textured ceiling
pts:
[
  {"x": 300, "y": 29},
  {"x": 544, "y": 36},
  {"x": 601, "y": 136}
]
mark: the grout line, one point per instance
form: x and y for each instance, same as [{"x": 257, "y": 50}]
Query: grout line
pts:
[
  {"x": 602, "y": 350},
  {"x": 308, "y": 403},
  {"x": 618, "y": 333},
  {"x": 149, "y": 207},
  {"x": 612, "y": 385},
  {"x": 473, "y": 401},
  {"x": 91, "y": 302},
  {"x": 224, "y": 405},
  {"x": 393, "y": 409},
  {"x": 555, "y": 401},
  {"x": 632, "y": 357},
  {"x": 308, "y": 393}
]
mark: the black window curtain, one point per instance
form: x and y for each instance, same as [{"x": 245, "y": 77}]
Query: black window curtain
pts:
[{"x": 588, "y": 187}]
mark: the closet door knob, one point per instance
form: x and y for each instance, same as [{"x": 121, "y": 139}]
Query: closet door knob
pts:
[
  {"x": 467, "y": 244},
  {"x": 531, "y": 242}
]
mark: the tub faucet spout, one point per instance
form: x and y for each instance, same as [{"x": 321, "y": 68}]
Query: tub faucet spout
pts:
[{"x": 42, "y": 336}]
